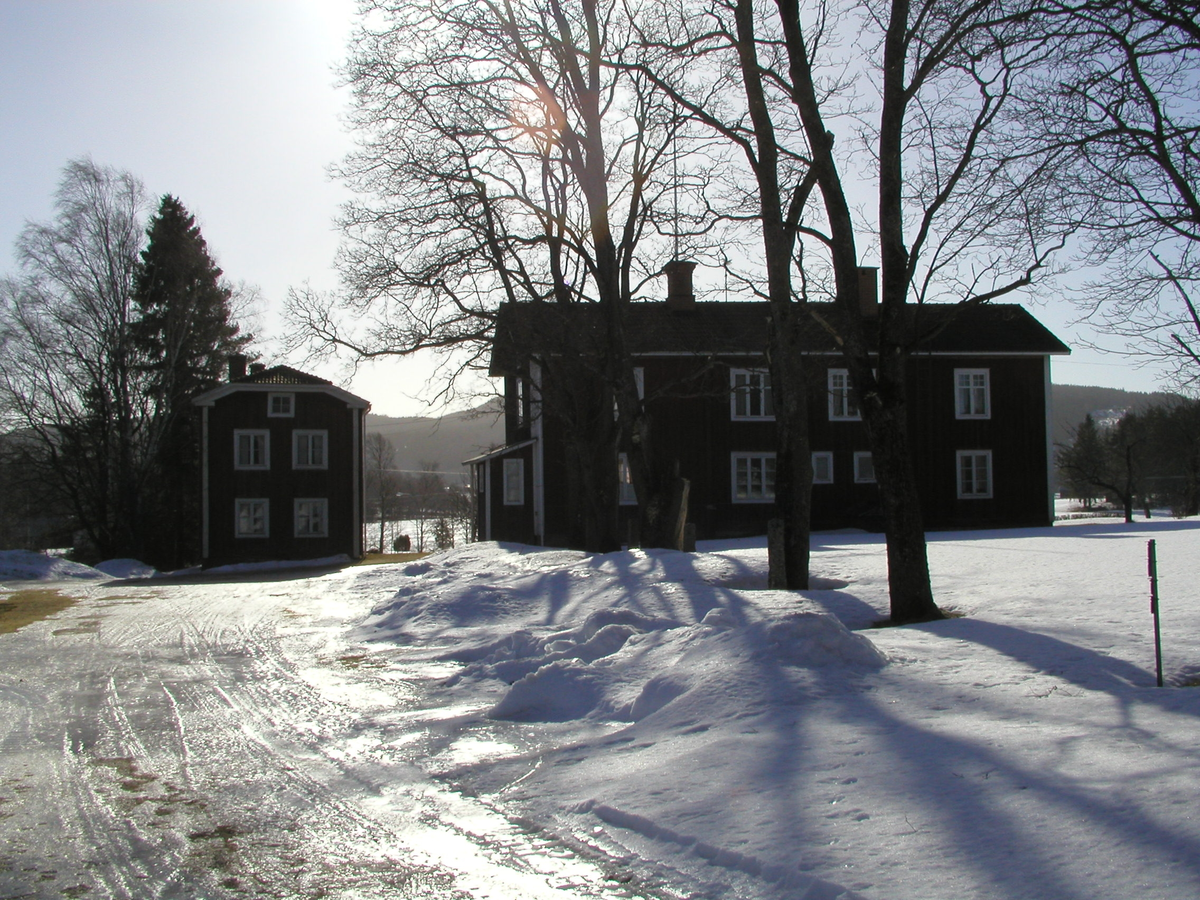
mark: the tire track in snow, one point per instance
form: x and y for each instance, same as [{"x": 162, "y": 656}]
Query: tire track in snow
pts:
[{"x": 202, "y": 744}]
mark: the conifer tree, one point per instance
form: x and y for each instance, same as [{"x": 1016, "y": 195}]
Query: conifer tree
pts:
[{"x": 185, "y": 336}]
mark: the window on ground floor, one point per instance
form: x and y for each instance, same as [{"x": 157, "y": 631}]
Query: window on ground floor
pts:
[
  {"x": 753, "y": 477},
  {"x": 864, "y": 467},
  {"x": 974, "y": 474},
  {"x": 251, "y": 517},
  {"x": 514, "y": 482},
  {"x": 311, "y": 517},
  {"x": 822, "y": 465},
  {"x": 627, "y": 496}
]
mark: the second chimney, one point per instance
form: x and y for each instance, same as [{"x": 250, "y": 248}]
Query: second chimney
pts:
[
  {"x": 868, "y": 290},
  {"x": 237, "y": 366},
  {"x": 680, "y": 295}
]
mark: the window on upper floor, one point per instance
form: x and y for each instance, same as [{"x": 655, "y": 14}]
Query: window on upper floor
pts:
[
  {"x": 864, "y": 467},
  {"x": 310, "y": 449},
  {"x": 751, "y": 396},
  {"x": 843, "y": 407},
  {"x": 514, "y": 482},
  {"x": 281, "y": 405},
  {"x": 519, "y": 400},
  {"x": 753, "y": 476},
  {"x": 251, "y": 449},
  {"x": 822, "y": 466},
  {"x": 972, "y": 394},
  {"x": 310, "y": 516},
  {"x": 626, "y": 495},
  {"x": 974, "y": 474},
  {"x": 250, "y": 517},
  {"x": 639, "y": 381}
]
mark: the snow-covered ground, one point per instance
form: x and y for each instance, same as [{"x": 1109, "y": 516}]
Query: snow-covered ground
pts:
[
  {"x": 666, "y": 707},
  {"x": 662, "y": 721}
]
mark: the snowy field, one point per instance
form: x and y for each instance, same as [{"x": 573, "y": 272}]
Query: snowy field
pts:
[{"x": 662, "y": 721}]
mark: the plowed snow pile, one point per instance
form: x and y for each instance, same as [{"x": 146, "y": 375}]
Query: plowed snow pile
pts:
[{"x": 26, "y": 565}]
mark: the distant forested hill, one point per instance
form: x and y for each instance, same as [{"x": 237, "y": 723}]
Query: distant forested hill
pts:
[
  {"x": 446, "y": 441},
  {"x": 1072, "y": 402}
]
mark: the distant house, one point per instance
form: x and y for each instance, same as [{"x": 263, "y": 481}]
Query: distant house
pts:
[
  {"x": 978, "y": 397},
  {"x": 281, "y": 467}
]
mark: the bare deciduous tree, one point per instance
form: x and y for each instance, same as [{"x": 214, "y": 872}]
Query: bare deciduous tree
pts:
[
  {"x": 69, "y": 375},
  {"x": 505, "y": 157},
  {"x": 1123, "y": 103},
  {"x": 962, "y": 213}
]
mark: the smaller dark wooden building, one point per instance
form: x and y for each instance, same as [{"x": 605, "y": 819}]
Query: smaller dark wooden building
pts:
[{"x": 281, "y": 467}]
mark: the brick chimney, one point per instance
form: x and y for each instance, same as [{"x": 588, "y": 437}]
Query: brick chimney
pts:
[
  {"x": 257, "y": 368},
  {"x": 237, "y": 366},
  {"x": 680, "y": 296},
  {"x": 868, "y": 290}
]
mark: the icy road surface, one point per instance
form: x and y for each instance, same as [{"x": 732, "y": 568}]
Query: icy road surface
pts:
[{"x": 219, "y": 739}]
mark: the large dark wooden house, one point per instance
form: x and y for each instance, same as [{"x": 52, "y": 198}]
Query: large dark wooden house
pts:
[
  {"x": 281, "y": 467},
  {"x": 978, "y": 399}
]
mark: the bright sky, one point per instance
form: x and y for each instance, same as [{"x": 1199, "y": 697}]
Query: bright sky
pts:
[{"x": 231, "y": 105}]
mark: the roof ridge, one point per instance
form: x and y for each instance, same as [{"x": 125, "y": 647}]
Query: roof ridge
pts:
[{"x": 280, "y": 374}]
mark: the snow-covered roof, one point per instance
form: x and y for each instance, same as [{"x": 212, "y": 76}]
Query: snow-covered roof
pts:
[{"x": 272, "y": 379}]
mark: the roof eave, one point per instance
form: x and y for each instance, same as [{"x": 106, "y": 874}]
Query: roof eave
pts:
[{"x": 208, "y": 398}]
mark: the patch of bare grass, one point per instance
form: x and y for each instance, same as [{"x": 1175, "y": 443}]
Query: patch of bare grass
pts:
[
  {"x": 384, "y": 559},
  {"x": 22, "y": 608}
]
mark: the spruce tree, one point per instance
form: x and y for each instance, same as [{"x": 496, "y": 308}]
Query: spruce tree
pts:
[{"x": 185, "y": 336}]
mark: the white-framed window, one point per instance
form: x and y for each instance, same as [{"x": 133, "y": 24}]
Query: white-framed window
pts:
[
  {"x": 753, "y": 476},
  {"x": 519, "y": 399},
  {"x": 751, "y": 396},
  {"x": 864, "y": 467},
  {"x": 281, "y": 406},
  {"x": 251, "y": 449},
  {"x": 251, "y": 517},
  {"x": 310, "y": 449},
  {"x": 639, "y": 381},
  {"x": 974, "y": 474},
  {"x": 310, "y": 516},
  {"x": 972, "y": 394},
  {"x": 514, "y": 482},
  {"x": 822, "y": 466},
  {"x": 626, "y": 495},
  {"x": 842, "y": 405}
]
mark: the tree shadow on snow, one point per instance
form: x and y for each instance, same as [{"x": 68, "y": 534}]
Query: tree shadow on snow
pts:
[
  {"x": 991, "y": 817},
  {"x": 1125, "y": 682}
]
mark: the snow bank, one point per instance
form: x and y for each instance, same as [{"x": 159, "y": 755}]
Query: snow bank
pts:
[
  {"x": 27, "y": 565},
  {"x": 126, "y": 568},
  {"x": 614, "y": 637}
]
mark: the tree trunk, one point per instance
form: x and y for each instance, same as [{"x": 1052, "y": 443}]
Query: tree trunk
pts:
[
  {"x": 908, "y": 563},
  {"x": 776, "y": 561},
  {"x": 793, "y": 459}
]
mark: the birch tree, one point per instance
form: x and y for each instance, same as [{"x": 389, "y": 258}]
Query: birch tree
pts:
[{"x": 70, "y": 375}]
